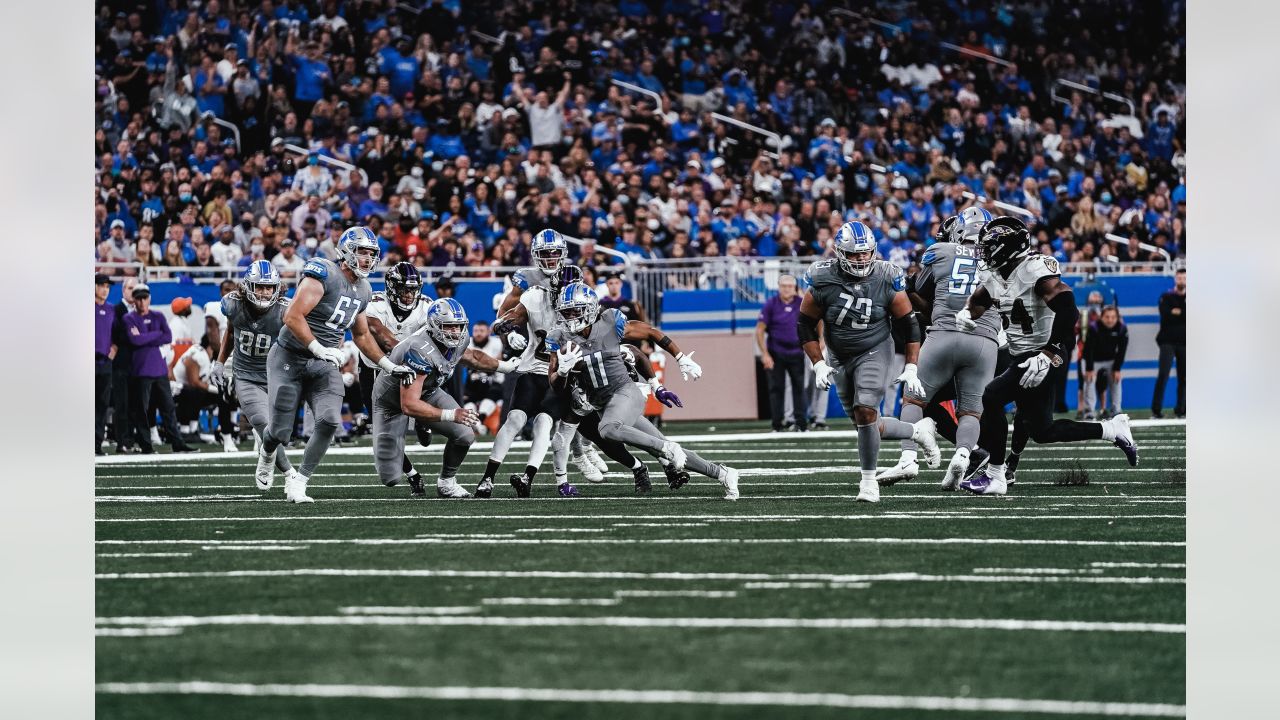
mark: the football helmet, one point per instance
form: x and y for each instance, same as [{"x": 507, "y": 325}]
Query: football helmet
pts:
[
  {"x": 972, "y": 220},
  {"x": 261, "y": 284},
  {"x": 550, "y": 251},
  {"x": 447, "y": 322},
  {"x": 948, "y": 231},
  {"x": 1003, "y": 242},
  {"x": 855, "y": 248},
  {"x": 578, "y": 306},
  {"x": 351, "y": 246},
  {"x": 404, "y": 286}
]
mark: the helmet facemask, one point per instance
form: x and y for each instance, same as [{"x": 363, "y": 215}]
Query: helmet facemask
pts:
[
  {"x": 857, "y": 263},
  {"x": 450, "y": 333},
  {"x": 261, "y": 294},
  {"x": 549, "y": 260},
  {"x": 362, "y": 260}
]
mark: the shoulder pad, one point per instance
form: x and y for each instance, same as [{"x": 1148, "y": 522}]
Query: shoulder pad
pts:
[
  {"x": 1038, "y": 266},
  {"x": 415, "y": 360},
  {"x": 229, "y": 302},
  {"x": 897, "y": 278},
  {"x": 818, "y": 270},
  {"x": 619, "y": 324},
  {"x": 520, "y": 280},
  {"x": 316, "y": 268}
]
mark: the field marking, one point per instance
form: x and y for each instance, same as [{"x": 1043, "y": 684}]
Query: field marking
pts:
[
  {"x": 144, "y": 554},
  {"x": 252, "y": 548},
  {"x": 630, "y": 621},
  {"x": 816, "y": 483},
  {"x": 675, "y": 593},
  {"x": 621, "y": 575},
  {"x": 568, "y": 530},
  {"x": 805, "y": 586},
  {"x": 487, "y": 445},
  {"x": 903, "y": 515},
  {"x": 406, "y": 610},
  {"x": 1036, "y": 571},
  {"x": 1168, "y": 566},
  {"x": 549, "y": 601},
  {"x": 660, "y": 697},
  {"x": 204, "y": 499},
  {"x": 137, "y": 632},
  {"x": 855, "y": 540}
]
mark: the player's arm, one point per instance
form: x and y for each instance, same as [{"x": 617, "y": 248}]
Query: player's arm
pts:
[
  {"x": 381, "y": 334},
  {"x": 510, "y": 317},
  {"x": 978, "y": 303},
  {"x": 511, "y": 300},
  {"x": 904, "y": 317},
  {"x": 920, "y": 289},
  {"x": 638, "y": 330},
  {"x": 484, "y": 362},
  {"x": 807, "y": 327},
  {"x": 366, "y": 343},
  {"x": 1062, "y": 301},
  {"x": 193, "y": 373},
  {"x": 412, "y": 404},
  {"x": 309, "y": 293}
]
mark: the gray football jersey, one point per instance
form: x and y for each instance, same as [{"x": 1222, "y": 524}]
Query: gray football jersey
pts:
[
  {"x": 525, "y": 278},
  {"x": 953, "y": 270},
  {"x": 252, "y": 335},
  {"x": 603, "y": 369},
  {"x": 420, "y": 352},
  {"x": 330, "y": 319},
  {"x": 855, "y": 311}
]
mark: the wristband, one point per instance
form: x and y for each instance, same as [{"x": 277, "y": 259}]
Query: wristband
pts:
[
  {"x": 654, "y": 382},
  {"x": 679, "y": 355},
  {"x": 385, "y": 363},
  {"x": 316, "y": 348},
  {"x": 446, "y": 415}
]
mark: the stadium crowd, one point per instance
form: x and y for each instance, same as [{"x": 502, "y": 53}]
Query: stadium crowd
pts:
[{"x": 473, "y": 125}]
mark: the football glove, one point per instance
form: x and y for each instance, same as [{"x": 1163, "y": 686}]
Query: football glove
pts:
[
  {"x": 328, "y": 354},
  {"x": 666, "y": 397},
  {"x": 405, "y": 374},
  {"x": 823, "y": 375},
  {"x": 1037, "y": 368},
  {"x": 517, "y": 341},
  {"x": 965, "y": 321},
  {"x": 910, "y": 382},
  {"x": 688, "y": 368},
  {"x": 568, "y": 357},
  {"x": 462, "y": 416},
  {"x": 217, "y": 375}
]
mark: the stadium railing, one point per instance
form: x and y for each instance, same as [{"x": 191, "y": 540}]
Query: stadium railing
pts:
[{"x": 332, "y": 162}]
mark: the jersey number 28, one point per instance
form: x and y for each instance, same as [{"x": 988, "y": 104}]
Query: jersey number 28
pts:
[
  {"x": 861, "y": 311},
  {"x": 253, "y": 344}
]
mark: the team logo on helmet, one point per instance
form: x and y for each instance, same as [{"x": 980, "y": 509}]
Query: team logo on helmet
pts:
[
  {"x": 261, "y": 284},
  {"x": 447, "y": 322},
  {"x": 358, "y": 249},
  {"x": 855, "y": 248}
]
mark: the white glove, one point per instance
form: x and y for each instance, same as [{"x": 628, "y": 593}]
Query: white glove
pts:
[
  {"x": 1002, "y": 338},
  {"x": 405, "y": 374},
  {"x": 517, "y": 341},
  {"x": 568, "y": 357},
  {"x": 348, "y": 379},
  {"x": 689, "y": 368},
  {"x": 328, "y": 354},
  {"x": 823, "y": 374},
  {"x": 965, "y": 321},
  {"x": 910, "y": 381},
  {"x": 507, "y": 366},
  {"x": 217, "y": 375},
  {"x": 1037, "y": 368},
  {"x": 462, "y": 416}
]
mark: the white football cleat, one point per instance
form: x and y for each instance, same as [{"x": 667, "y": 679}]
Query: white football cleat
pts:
[
  {"x": 265, "y": 473},
  {"x": 229, "y": 443},
  {"x": 295, "y": 487},
  {"x": 906, "y": 469},
  {"x": 868, "y": 491},
  {"x": 956, "y": 469},
  {"x": 155, "y": 436},
  {"x": 594, "y": 456},
  {"x": 449, "y": 488},
  {"x": 923, "y": 435},
  {"x": 674, "y": 453},
  {"x": 589, "y": 471},
  {"x": 729, "y": 479}
]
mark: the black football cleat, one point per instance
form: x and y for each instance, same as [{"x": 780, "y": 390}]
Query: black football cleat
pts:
[
  {"x": 1011, "y": 468},
  {"x": 978, "y": 461},
  {"x": 643, "y": 486},
  {"x": 484, "y": 489},
  {"x": 522, "y": 485},
  {"x": 424, "y": 434},
  {"x": 417, "y": 488},
  {"x": 676, "y": 479}
]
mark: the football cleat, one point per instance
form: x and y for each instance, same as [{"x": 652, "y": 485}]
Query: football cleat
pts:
[
  {"x": 522, "y": 485},
  {"x": 643, "y": 485},
  {"x": 229, "y": 443},
  {"x": 978, "y": 461},
  {"x": 417, "y": 488},
  {"x": 594, "y": 456},
  {"x": 924, "y": 435},
  {"x": 868, "y": 490},
  {"x": 589, "y": 471},
  {"x": 985, "y": 484},
  {"x": 484, "y": 489},
  {"x": 906, "y": 469},
  {"x": 728, "y": 477},
  {"x": 819, "y": 425},
  {"x": 676, "y": 479},
  {"x": 1124, "y": 438},
  {"x": 295, "y": 487},
  {"x": 1011, "y": 468},
  {"x": 674, "y": 453},
  {"x": 956, "y": 469},
  {"x": 566, "y": 490},
  {"x": 265, "y": 473},
  {"x": 449, "y": 488},
  {"x": 423, "y": 431}
]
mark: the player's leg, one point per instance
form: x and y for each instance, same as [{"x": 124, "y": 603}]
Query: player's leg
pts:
[
  {"x": 388, "y": 428},
  {"x": 975, "y": 367},
  {"x": 363, "y": 416},
  {"x": 935, "y": 370},
  {"x": 993, "y": 431},
  {"x": 1044, "y": 430},
  {"x": 323, "y": 390},
  {"x": 528, "y": 392},
  {"x": 256, "y": 407},
  {"x": 617, "y": 422},
  {"x": 458, "y": 441}
]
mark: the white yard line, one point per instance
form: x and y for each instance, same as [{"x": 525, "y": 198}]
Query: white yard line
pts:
[
  {"x": 763, "y": 623},
  {"x": 805, "y": 586},
  {"x": 534, "y": 518},
  {"x": 675, "y": 593},
  {"x": 405, "y": 610},
  {"x": 549, "y": 601},
  {"x": 1036, "y": 571},
  {"x": 664, "y": 697},
  {"x": 852, "y": 540},
  {"x": 252, "y": 548},
  {"x": 621, "y": 575},
  {"x": 1167, "y": 566},
  {"x": 144, "y": 555},
  {"x": 206, "y": 499},
  {"x": 137, "y": 632}
]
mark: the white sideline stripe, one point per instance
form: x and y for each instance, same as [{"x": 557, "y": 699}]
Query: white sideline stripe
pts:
[
  {"x": 204, "y": 499},
  {"x": 676, "y": 593},
  {"x": 804, "y": 586},
  {"x": 618, "y": 575},
  {"x": 662, "y": 697},
  {"x": 548, "y": 601},
  {"x": 481, "y": 446},
  {"x": 1037, "y": 571},
  {"x": 433, "y": 518},
  {"x": 144, "y": 555},
  {"x": 253, "y": 548},
  {"x": 467, "y": 536},
  {"x": 1169, "y": 566},
  {"x": 764, "y": 623},
  {"x": 816, "y": 483},
  {"x": 406, "y": 610},
  {"x": 662, "y": 525},
  {"x": 137, "y": 632},
  {"x": 568, "y": 530},
  {"x": 859, "y": 540}
]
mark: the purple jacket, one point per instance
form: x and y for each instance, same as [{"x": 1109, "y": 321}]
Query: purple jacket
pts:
[
  {"x": 147, "y": 333},
  {"x": 779, "y": 318},
  {"x": 104, "y": 317}
]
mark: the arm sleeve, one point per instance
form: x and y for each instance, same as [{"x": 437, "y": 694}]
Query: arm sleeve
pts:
[
  {"x": 909, "y": 327},
  {"x": 806, "y": 328},
  {"x": 1063, "y": 335}
]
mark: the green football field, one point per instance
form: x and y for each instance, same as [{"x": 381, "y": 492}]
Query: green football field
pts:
[{"x": 1058, "y": 600}]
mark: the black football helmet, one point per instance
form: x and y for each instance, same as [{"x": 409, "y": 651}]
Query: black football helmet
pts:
[
  {"x": 1003, "y": 243},
  {"x": 404, "y": 286},
  {"x": 949, "y": 230}
]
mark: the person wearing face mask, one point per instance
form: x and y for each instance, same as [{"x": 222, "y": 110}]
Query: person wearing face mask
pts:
[{"x": 257, "y": 251}]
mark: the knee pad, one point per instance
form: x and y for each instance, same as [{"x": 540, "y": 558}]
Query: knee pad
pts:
[
  {"x": 864, "y": 415},
  {"x": 542, "y": 423},
  {"x": 516, "y": 419}
]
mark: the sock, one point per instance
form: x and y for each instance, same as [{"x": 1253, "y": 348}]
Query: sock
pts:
[
  {"x": 562, "y": 480},
  {"x": 1108, "y": 430},
  {"x": 968, "y": 431},
  {"x": 638, "y": 465},
  {"x": 530, "y": 471},
  {"x": 869, "y": 447},
  {"x": 491, "y": 469},
  {"x": 894, "y": 429},
  {"x": 996, "y": 472},
  {"x": 910, "y": 414},
  {"x": 868, "y": 476}
]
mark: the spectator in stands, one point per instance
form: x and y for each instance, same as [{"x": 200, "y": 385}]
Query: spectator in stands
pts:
[
  {"x": 630, "y": 309},
  {"x": 1172, "y": 339},
  {"x": 147, "y": 331},
  {"x": 288, "y": 261},
  {"x": 1104, "y": 352},
  {"x": 780, "y": 353}
]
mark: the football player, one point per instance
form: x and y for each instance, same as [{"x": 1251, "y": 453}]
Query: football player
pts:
[
  {"x": 948, "y": 275},
  {"x": 855, "y": 297},
  {"x": 1027, "y": 289},
  {"x": 306, "y": 362},
  {"x": 393, "y": 316},
  {"x": 254, "y": 315},
  {"x": 433, "y": 353},
  {"x": 589, "y": 341}
]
